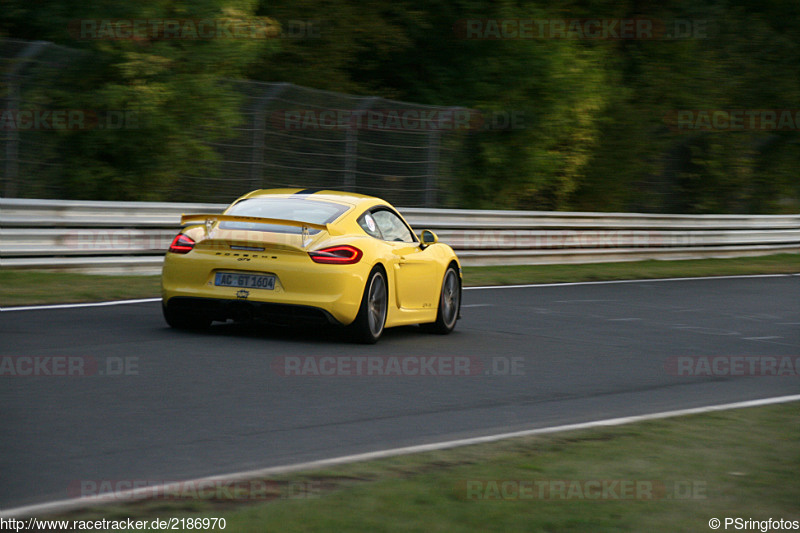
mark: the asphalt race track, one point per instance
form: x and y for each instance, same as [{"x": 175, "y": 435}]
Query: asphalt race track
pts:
[{"x": 198, "y": 404}]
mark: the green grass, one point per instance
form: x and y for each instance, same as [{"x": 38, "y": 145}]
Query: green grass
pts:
[
  {"x": 741, "y": 463},
  {"x": 29, "y": 288},
  {"x": 507, "y": 275}
]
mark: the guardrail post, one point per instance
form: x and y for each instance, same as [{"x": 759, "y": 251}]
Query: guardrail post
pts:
[
  {"x": 12, "y": 145},
  {"x": 259, "y": 126},
  {"x": 351, "y": 145},
  {"x": 11, "y": 173},
  {"x": 432, "y": 178}
]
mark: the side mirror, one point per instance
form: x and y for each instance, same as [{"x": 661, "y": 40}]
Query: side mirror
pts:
[{"x": 427, "y": 237}]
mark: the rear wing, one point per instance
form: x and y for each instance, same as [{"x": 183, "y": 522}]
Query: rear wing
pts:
[{"x": 208, "y": 222}]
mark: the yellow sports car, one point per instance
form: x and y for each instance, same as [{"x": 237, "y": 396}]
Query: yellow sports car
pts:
[{"x": 295, "y": 255}]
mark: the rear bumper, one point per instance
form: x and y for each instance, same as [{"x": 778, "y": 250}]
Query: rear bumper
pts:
[
  {"x": 334, "y": 290},
  {"x": 243, "y": 310}
]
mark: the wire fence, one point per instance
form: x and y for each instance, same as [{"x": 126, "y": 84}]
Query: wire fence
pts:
[
  {"x": 29, "y": 153},
  {"x": 289, "y": 136},
  {"x": 295, "y": 136}
]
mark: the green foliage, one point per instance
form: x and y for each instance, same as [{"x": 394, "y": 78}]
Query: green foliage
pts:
[
  {"x": 596, "y": 133},
  {"x": 595, "y": 117},
  {"x": 174, "y": 91}
]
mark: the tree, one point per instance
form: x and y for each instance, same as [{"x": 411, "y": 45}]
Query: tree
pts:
[{"x": 175, "y": 87}]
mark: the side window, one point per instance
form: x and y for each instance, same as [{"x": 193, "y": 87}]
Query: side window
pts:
[
  {"x": 391, "y": 227},
  {"x": 367, "y": 223}
]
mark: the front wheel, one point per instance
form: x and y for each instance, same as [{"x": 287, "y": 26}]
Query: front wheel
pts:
[
  {"x": 371, "y": 318},
  {"x": 449, "y": 304}
]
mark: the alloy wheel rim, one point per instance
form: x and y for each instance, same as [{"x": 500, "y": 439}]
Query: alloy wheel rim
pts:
[
  {"x": 376, "y": 303},
  {"x": 450, "y": 298}
]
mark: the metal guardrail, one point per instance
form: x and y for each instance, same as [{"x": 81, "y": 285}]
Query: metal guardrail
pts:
[{"x": 123, "y": 237}]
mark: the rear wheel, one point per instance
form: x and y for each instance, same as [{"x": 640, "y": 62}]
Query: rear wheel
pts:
[
  {"x": 369, "y": 323},
  {"x": 183, "y": 319},
  {"x": 449, "y": 304}
]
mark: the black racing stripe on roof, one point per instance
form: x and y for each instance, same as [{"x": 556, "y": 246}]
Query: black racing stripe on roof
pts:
[{"x": 308, "y": 191}]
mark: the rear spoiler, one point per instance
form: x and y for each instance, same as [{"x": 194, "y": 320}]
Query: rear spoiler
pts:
[{"x": 209, "y": 220}]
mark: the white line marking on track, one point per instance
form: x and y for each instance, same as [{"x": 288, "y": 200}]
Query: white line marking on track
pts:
[
  {"x": 609, "y": 282},
  {"x": 533, "y": 285},
  {"x": 137, "y": 494},
  {"x": 75, "y": 306},
  {"x": 581, "y": 301}
]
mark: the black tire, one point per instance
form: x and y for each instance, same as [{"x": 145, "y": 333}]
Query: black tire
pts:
[
  {"x": 181, "y": 319},
  {"x": 368, "y": 326},
  {"x": 449, "y": 304}
]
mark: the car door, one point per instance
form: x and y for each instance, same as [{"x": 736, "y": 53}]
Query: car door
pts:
[{"x": 416, "y": 281}]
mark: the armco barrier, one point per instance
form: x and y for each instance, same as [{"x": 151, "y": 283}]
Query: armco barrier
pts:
[{"x": 120, "y": 237}]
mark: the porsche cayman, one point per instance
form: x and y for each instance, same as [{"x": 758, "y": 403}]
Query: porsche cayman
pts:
[{"x": 298, "y": 255}]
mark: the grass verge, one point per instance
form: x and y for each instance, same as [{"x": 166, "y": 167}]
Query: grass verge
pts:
[
  {"x": 509, "y": 275},
  {"x": 19, "y": 287},
  {"x": 30, "y": 288},
  {"x": 739, "y": 463}
]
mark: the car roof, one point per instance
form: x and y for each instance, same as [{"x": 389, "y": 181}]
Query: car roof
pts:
[{"x": 339, "y": 197}]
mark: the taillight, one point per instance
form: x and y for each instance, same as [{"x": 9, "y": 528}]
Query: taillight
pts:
[
  {"x": 337, "y": 255},
  {"x": 181, "y": 244}
]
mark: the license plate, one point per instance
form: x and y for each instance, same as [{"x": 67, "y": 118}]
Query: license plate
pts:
[{"x": 245, "y": 281}]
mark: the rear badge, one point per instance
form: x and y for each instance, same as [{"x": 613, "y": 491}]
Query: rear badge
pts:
[{"x": 243, "y": 294}]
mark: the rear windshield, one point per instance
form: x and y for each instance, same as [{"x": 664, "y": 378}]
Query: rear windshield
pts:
[{"x": 297, "y": 209}]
